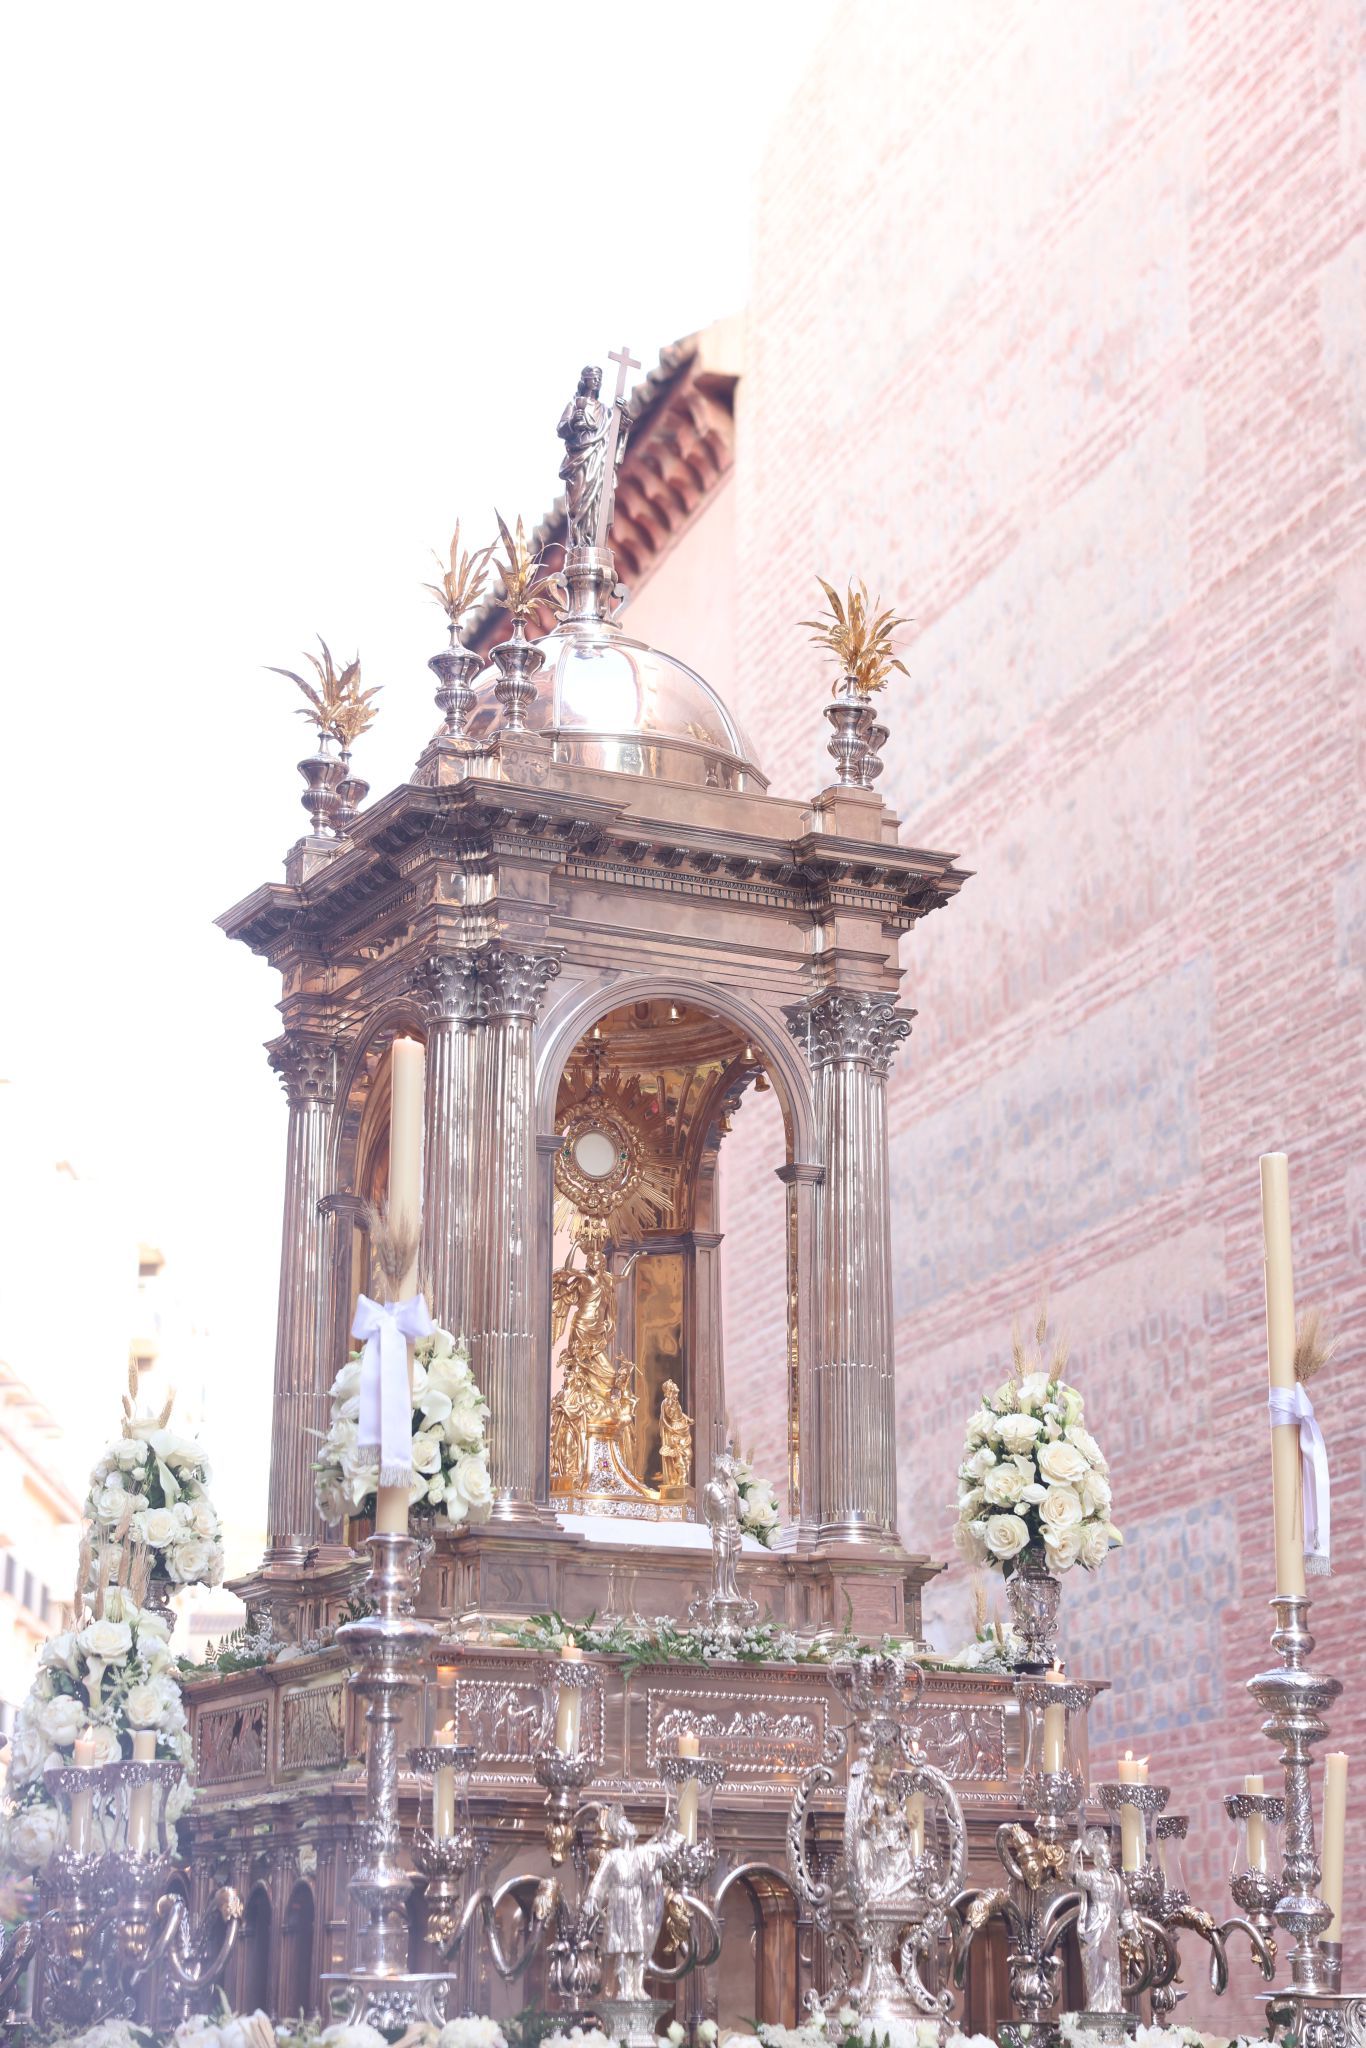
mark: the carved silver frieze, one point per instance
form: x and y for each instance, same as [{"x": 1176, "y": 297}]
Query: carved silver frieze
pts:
[
  {"x": 504, "y": 1719},
  {"x": 761, "y": 1743},
  {"x": 230, "y": 1743},
  {"x": 965, "y": 1742},
  {"x": 312, "y": 1728}
]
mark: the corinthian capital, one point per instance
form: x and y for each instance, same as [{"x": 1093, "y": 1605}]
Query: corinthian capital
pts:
[
  {"x": 445, "y": 985},
  {"x": 509, "y": 983},
  {"x": 840, "y": 1025},
  {"x": 306, "y": 1064}
]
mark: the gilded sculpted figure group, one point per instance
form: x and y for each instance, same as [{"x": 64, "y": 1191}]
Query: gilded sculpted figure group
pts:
[{"x": 593, "y": 1416}]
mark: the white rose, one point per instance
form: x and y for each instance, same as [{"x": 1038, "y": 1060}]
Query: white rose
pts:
[
  {"x": 109, "y": 1500},
  {"x": 1087, "y": 1445},
  {"x": 150, "y": 1705},
  {"x": 34, "y": 1833},
  {"x": 1095, "y": 1544},
  {"x": 1095, "y": 1492},
  {"x": 1018, "y": 1432},
  {"x": 1003, "y": 1485},
  {"x": 331, "y": 1499},
  {"x": 106, "y": 1640},
  {"x": 62, "y": 1720},
  {"x": 471, "y": 1481},
  {"x": 204, "y": 1518},
  {"x": 981, "y": 1462},
  {"x": 981, "y": 1426},
  {"x": 1006, "y": 1535},
  {"x": 1060, "y": 1508},
  {"x": 358, "y": 2036},
  {"x": 347, "y": 1383},
  {"x": 970, "y": 1499},
  {"x": 1033, "y": 1389},
  {"x": 28, "y": 1750},
  {"x": 152, "y": 1629},
  {"x": 127, "y": 1453},
  {"x": 465, "y": 1423},
  {"x": 457, "y": 1510},
  {"x": 108, "y": 1748},
  {"x": 426, "y": 1452},
  {"x": 1062, "y": 1464},
  {"x": 192, "y": 1562},
  {"x": 158, "y": 1526},
  {"x": 59, "y": 1650},
  {"x": 1063, "y": 1547}
]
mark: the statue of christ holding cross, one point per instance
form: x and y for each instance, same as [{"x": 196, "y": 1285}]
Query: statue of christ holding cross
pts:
[{"x": 594, "y": 437}]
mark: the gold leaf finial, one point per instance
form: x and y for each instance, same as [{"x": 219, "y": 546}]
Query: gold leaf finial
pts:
[
  {"x": 858, "y": 635},
  {"x": 525, "y": 583},
  {"x": 462, "y": 584},
  {"x": 337, "y": 705}
]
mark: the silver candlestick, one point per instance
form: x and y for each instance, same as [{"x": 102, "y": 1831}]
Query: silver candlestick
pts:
[
  {"x": 389, "y": 1646},
  {"x": 1312, "y": 2005},
  {"x": 1295, "y": 1700}
]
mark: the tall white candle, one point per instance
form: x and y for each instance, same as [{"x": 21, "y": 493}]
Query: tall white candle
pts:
[
  {"x": 140, "y": 1797},
  {"x": 915, "y": 1822},
  {"x": 1334, "y": 1840},
  {"x": 1133, "y": 1770},
  {"x": 1055, "y": 1727},
  {"x": 688, "y": 1745},
  {"x": 407, "y": 1084},
  {"x": 1286, "y": 1501},
  {"x": 568, "y": 1707},
  {"x": 79, "y": 1826},
  {"x": 443, "y": 1786}
]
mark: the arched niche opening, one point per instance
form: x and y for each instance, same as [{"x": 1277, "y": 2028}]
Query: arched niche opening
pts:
[
  {"x": 297, "y": 1970},
  {"x": 257, "y": 1923},
  {"x": 646, "y": 1095}
]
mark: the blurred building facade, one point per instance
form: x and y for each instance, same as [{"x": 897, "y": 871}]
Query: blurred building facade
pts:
[{"x": 1056, "y": 338}]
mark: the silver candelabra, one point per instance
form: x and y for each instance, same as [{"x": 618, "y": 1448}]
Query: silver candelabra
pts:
[
  {"x": 886, "y": 1903},
  {"x": 110, "y": 1921}
]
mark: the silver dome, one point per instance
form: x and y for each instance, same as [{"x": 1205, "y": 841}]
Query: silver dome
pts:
[{"x": 610, "y": 702}]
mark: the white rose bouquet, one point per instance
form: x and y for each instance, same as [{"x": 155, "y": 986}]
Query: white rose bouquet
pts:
[
  {"x": 450, "y": 1454},
  {"x": 150, "y": 1491},
  {"x": 110, "y": 1678},
  {"x": 1033, "y": 1479},
  {"x": 758, "y": 1504}
]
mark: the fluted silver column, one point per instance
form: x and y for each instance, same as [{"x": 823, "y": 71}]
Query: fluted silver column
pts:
[
  {"x": 501, "y": 1318},
  {"x": 849, "y": 1040},
  {"x": 446, "y": 983},
  {"x": 306, "y": 1064}
]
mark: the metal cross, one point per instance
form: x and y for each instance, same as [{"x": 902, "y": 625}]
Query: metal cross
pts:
[{"x": 625, "y": 362}]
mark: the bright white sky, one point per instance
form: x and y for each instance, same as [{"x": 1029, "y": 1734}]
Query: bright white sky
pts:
[{"x": 289, "y": 287}]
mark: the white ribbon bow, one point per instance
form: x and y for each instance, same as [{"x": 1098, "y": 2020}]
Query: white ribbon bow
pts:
[
  {"x": 386, "y": 1408},
  {"x": 1288, "y": 1406}
]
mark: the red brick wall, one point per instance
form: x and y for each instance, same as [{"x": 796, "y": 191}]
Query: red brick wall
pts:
[{"x": 1058, "y": 336}]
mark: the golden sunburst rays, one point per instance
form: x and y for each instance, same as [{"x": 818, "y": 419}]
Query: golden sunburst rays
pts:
[
  {"x": 858, "y": 635},
  {"x": 337, "y": 705},
  {"x": 640, "y": 1192}
]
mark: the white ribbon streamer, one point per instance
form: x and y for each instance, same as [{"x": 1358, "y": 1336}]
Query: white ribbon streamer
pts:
[
  {"x": 385, "y": 1424},
  {"x": 1288, "y": 1406}
]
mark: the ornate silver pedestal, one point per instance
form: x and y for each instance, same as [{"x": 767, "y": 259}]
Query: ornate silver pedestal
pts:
[{"x": 389, "y": 1647}]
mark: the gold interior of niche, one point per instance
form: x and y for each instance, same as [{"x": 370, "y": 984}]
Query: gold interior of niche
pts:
[{"x": 671, "y": 1074}]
